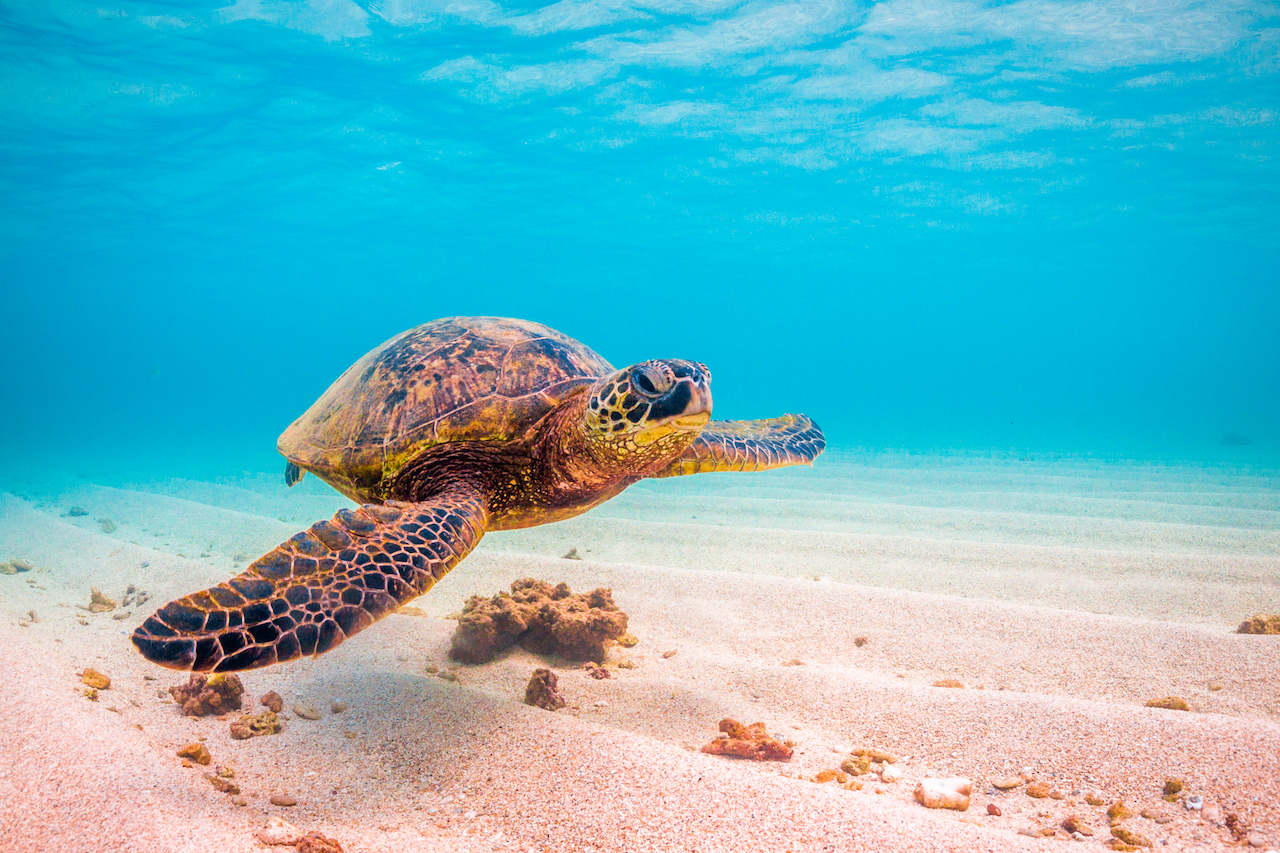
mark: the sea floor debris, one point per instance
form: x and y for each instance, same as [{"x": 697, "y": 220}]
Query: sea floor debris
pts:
[
  {"x": 944, "y": 793},
  {"x": 541, "y": 618},
  {"x": 542, "y": 692},
  {"x": 208, "y": 694},
  {"x": 751, "y": 741},
  {"x": 253, "y": 725},
  {"x": 1263, "y": 623}
]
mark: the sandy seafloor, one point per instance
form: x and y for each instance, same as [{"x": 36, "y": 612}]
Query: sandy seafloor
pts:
[{"x": 1064, "y": 593}]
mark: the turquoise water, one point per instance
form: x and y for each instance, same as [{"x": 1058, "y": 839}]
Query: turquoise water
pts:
[{"x": 1039, "y": 226}]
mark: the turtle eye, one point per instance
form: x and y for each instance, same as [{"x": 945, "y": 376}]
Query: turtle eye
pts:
[{"x": 645, "y": 384}]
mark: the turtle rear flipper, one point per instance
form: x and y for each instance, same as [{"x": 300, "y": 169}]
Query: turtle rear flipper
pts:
[
  {"x": 750, "y": 446},
  {"x": 319, "y": 587}
]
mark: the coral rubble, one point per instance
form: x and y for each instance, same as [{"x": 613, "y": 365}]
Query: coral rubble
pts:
[
  {"x": 748, "y": 742},
  {"x": 196, "y": 752},
  {"x": 594, "y": 670},
  {"x": 95, "y": 679},
  {"x": 1263, "y": 623},
  {"x": 100, "y": 603},
  {"x": 221, "y": 785},
  {"x": 314, "y": 842},
  {"x": 252, "y": 725},
  {"x": 14, "y": 566},
  {"x": 541, "y": 691},
  {"x": 541, "y": 618},
  {"x": 208, "y": 694}
]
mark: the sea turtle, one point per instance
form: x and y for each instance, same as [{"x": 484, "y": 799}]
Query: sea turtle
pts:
[{"x": 456, "y": 427}]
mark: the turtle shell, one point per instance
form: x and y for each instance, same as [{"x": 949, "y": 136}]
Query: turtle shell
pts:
[{"x": 457, "y": 379}]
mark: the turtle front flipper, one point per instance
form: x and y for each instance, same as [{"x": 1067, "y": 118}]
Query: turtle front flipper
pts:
[
  {"x": 319, "y": 587},
  {"x": 750, "y": 446}
]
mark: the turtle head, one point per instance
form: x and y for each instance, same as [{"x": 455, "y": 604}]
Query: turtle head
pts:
[{"x": 643, "y": 416}]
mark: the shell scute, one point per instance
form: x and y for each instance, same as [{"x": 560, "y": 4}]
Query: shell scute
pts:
[{"x": 456, "y": 379}]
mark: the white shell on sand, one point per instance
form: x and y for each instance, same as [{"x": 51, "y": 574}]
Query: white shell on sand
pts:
[
  {"x": 278, "y": 832},
  {"x": 949, "y": 793},
  {"x": 890, "y": 774}
]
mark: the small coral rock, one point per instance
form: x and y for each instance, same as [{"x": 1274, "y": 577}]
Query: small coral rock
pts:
[
  {"x": 993, "y": 809},
  {"x": 1039, "y": 790},
  {"x": 541, "y": 691},
  {"x": 1170, "y": 703},
  {"x": 314, "y": 842},
  {"x": 748, "y": 742},
  {"x": 273, "y": 701},
  {"x": 252, "y": 725},
  {"x": 278, "y": 832},
  {"x": 208, "y": 694},
  {"x": 222, "y": 785},
  {"x": 948, "y": 793},
  {"x": 890, "y": 774},
  {"x": 1129, "y": 837},
  {"x": 283, "y": 800},
  {"x": 544, "y": 619},
  {"x": 877, "y": 755},
  {"x": 856, "y": 765},
  {"x": 1172, "y": 787},
  {"x": 305, "y": 711},
  {"x": 1073, "y": 824},
  {"x": 1263, "y": 623},
  {"x": 1007, "y": 783},
  {"x": 95, "y": 679},
  {"x": 596, "y": 671},
  {"x": 196, "y": 752},
  {"x": 99, "y": 603},
  {"x": 1118, "y": 812}
]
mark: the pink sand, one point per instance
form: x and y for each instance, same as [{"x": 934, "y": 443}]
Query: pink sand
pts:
[{"x": 1063, "y": 595}]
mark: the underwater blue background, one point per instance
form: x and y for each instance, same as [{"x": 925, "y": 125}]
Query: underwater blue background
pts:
[{"x": 1034, "y": 225}]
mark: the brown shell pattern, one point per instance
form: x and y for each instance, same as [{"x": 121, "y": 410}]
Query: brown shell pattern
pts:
[{"x": 455, "y": 379}]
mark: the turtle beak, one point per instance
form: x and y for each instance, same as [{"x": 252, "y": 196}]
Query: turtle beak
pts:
[
  {"x": 686, "y": 407},
  {"x": 697, "y": 413}
]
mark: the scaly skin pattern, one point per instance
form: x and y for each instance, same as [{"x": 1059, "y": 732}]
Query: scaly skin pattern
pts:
[
  {"x": 318, "y": 588},
  {"x": 451, "y": 429},
  {"x": 750, "y": 446}
]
